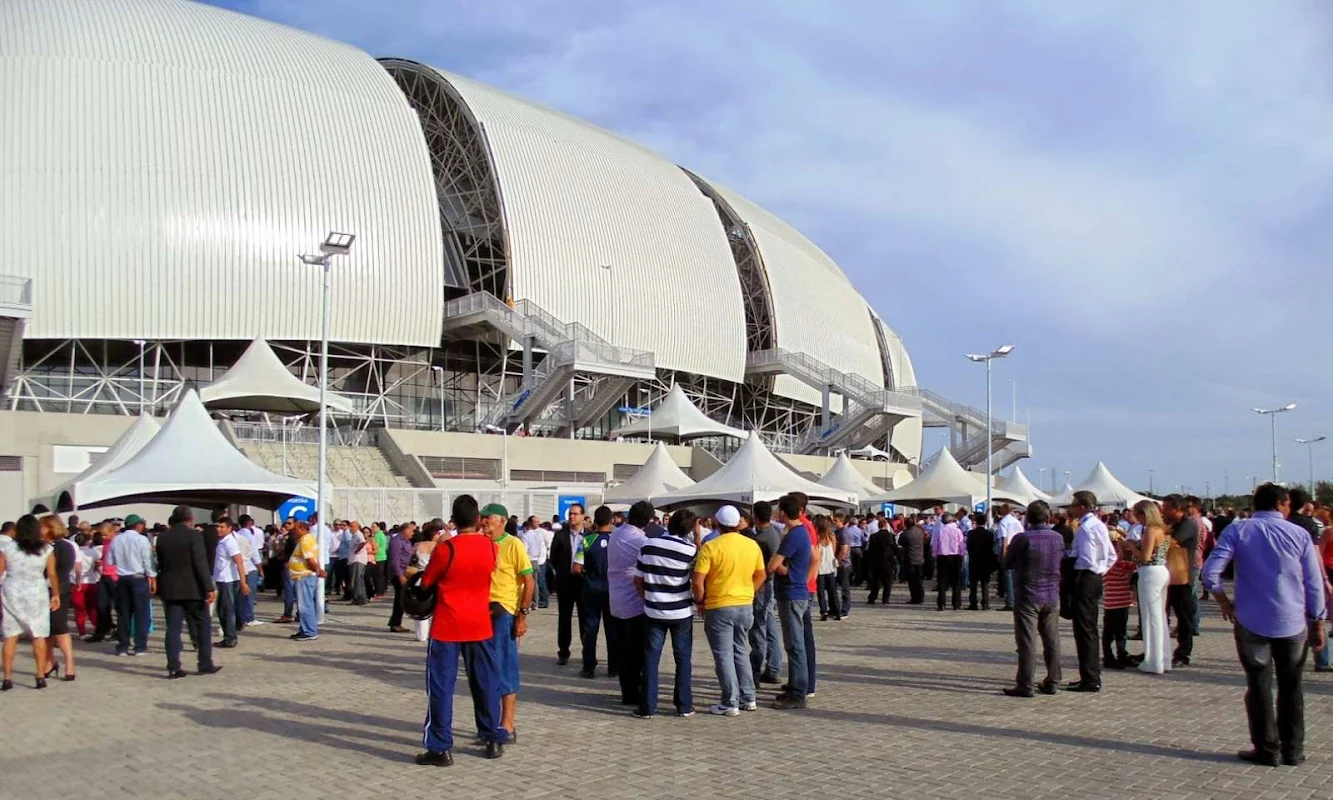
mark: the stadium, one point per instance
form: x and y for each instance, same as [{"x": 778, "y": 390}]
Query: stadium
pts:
[{"x": 515, "y": 270}]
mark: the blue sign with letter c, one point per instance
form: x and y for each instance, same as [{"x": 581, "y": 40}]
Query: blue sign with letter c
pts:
[{"x": 299, "y": 507}]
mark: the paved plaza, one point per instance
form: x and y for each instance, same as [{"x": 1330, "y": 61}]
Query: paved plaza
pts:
[{"x": 908, "y": 705}]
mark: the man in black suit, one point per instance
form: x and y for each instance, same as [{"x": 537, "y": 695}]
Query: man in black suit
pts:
[
  {"x": 881, "y": 563},
  {"x": 912, "y": 543},
  {"x": 185, "y": 586}
]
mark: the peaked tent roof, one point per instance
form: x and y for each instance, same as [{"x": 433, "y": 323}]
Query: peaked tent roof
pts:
[
  {"x": 126, "y": 447},
  {"x": 188, "y": 461},
  {"x": 1024, "y": 491},
  {"x": 753, "y": 474},
  {"x": 843, "y": 475},
  {"x": 871, "y": 451},
  {"x": 944, "y": 481},
  {"x": 659, "y": 474},
  {"x": 259, "y": 381},
  {"x": 677, "y": 417},
  {"x": 1064, "y": 498},
  {"x": 1110, "y": 492}
]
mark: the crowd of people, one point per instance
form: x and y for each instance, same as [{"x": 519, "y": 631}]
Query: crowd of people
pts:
[{"x": 626, "y": 582}]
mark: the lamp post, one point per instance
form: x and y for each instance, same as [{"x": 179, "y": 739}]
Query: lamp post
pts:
[
  {"x": 141, "y": 344},
  {"x": 1041, "y": 479},
  {"x": 1272, "y": 419},
  {"x": 1150, "y": 487},
  {"x": 335, "y": 244},
  {"x": 999, "y": 352},
  {"x": 1309, "y": 449},
  {"x": 439, "y": 383}
]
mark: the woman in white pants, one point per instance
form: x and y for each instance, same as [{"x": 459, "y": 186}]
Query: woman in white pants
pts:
[
  {"x": 421, "y": 550},
  {"x": 1150, "y": 551}
]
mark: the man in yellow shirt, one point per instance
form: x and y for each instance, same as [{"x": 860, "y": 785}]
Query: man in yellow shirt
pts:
[
  {"x": 728, "y": 571},
  {"x": 305, "y": 571},
  {"x": 512, "y": 585}
]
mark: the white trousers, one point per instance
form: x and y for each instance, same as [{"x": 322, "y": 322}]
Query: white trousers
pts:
[
  {"x": 422, "y": 627},
  {"x": 1153, "y": 581}
]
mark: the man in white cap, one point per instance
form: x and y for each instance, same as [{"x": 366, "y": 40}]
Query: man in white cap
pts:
[{"x": 728, "y": 571}]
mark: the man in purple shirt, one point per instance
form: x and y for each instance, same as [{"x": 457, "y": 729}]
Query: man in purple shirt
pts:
[
  {"x": 627, "y": 615},
  {"x": 1278, "y": 612},
  {"x": 1034, "y": 557},
  {"x": 948, "y": 547}
]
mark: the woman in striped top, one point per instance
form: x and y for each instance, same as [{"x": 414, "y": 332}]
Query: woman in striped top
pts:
[{"x": 1117, "y": 597}]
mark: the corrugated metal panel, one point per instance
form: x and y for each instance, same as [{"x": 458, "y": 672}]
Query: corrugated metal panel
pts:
[
  {"x": 576, "y": 198},
  {"x": 906, "y": 436},
  {"x": 157, "y": 156},
  {"x": 816, "y": 308}
]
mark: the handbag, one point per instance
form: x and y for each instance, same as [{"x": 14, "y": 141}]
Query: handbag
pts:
[
  {"x": 419, "y": 601},
  {"x": 1178, "y": 564}
]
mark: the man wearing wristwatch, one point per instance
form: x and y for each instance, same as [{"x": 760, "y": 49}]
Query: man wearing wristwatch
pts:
[
  {"x": 512, "y": 586},
  {"x": 1278, "y": 613}
]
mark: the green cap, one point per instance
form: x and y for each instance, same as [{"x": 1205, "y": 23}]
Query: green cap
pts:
[
  {"x": 495, "y": 510},
  {"x": 132, "y": 520}
]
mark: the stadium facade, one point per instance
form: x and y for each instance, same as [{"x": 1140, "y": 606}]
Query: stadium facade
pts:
[{"x": 515, "y": 268}]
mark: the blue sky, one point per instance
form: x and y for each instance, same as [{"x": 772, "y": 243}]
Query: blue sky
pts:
[{"x": 1137, "y": 196}]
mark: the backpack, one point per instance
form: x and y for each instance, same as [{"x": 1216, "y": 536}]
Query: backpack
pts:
[{"x": 419, "y": 601}]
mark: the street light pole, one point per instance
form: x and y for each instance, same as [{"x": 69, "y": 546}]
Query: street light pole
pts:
[
  {"x": 999, "y": 352},
  {"x": 142, "y": 399},
  {"x": 1272, "y": 418},
  {"x": 1150, "y": 489},
  {"x": 1309, "y": 450},
  {"x": 335, "y": 244},
  {"x": 439, "y": 382}
]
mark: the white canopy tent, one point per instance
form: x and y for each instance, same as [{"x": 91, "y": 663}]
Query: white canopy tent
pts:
[
  {"x": 1023, "y": 491},
  {"x": 677, "y": 417},
  {"x": 843, "y": 475},
  {"x": 752, "y": 474},
  {"x": 189, "y": 461},
  {"x": 1064, "y": 498},
  {"x": 943, "y": 482},
  {"x": 872, "y": 452},
  {"x": 658, "y": 475},
  {"x": 259, "y": 381},
  {"x": 126, "y": 447},
  {"x": 1108, "y": 489}
]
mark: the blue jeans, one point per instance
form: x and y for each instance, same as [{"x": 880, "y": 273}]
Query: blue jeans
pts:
[
  {"x": 245, "y": 604},
  {"x": 765, "y": 647},
  {"x": 1198, "y": 606},
  {"x": 505, "y": 646},
  {"x": 728, "y": 631},
  {"x": 794, "y": 614},
  {"x": 132, "y": 605},
  {"x": 1008, "y": 587},
  {"x": 482, "y": 681},
  {"x": 543, "y": 593},
  {"x": 967, "y": 571},
  {"x": 809, "y": 622},
  {"x": 305, "y": 590},
  {"x": 682, "y": 647},
  {"x": 228, "y": 593}
]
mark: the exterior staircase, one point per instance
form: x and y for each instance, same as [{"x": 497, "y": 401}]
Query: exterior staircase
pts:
[
  {"x": 570, "y": 350},
  {"x": 869, "y": 411},
  {"x": 968, "y": 435}
]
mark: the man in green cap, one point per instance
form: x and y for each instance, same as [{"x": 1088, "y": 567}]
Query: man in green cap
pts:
[{"x": 512, "y": 586}]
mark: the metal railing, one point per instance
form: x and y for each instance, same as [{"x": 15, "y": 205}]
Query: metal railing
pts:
[
  {"x": 810, "y": 370},
  {"x": 16, "y": 292},
  {"x": 291, "y": 434}
]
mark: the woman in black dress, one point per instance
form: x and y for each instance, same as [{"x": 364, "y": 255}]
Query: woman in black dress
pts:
[{"x": 55, "y": 532}]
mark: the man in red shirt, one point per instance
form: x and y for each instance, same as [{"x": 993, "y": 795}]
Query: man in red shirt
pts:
[{"x": 460, "y": 568}]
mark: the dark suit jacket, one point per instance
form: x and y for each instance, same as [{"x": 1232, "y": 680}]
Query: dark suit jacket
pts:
[
  {"x": 912, "y": 542},
  {"x": 881, "y": 550},
  {"x": 183, "y": 570}
]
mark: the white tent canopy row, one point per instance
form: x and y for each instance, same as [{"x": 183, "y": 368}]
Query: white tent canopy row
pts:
[
  {"x": 140, "y": 433},
  {"x": 658, "y": 475},
  {"x": 677, "y": 417},
  {"x": 259, "y": 381},
  {"x": 945, "y": 482},
  {"x": 1108, "y": 490},
  {"x": 188, "y": 461},
  {"x": 752, "y": 474},
  {"x": 843, "y": 475},
  {"x": 1022, "y": 490}
]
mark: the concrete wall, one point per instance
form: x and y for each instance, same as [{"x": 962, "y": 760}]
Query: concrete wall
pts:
[
  {"x": 33, "y": 437},
  {"x": 584, "y": 455}
]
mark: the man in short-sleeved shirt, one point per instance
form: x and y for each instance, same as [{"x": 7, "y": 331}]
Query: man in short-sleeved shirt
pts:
[
  {"x": 790, "y": 566},
  {"x": 727, "y": 572},
  {"x": 512, "y": 585}
]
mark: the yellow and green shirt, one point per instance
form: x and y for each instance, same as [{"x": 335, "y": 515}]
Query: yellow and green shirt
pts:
[{"x": 511, "y": 564}]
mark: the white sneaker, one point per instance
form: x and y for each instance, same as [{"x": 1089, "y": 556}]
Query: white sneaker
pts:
[
  {"x": 809, "y": 694},
  {"x": 724, "y": 711},
  {"x": 750, "y": 706},
  {"x": 254, "y": 624}
]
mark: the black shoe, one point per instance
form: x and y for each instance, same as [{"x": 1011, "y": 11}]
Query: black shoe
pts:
[
  {"x": 971, "y": 606},
  {"x": 494, "y": 750},
  {"x": 301, "y": 637},
  {"x": 430, "y": 758},
  {"x": 789, "y": 703},
  {"x": 1113, "y": 663},
  {"x": 1014, "y": 691},
  {"x": 179, "y": 673},
  {"x": 1134, "y": 661},
  {"x": 1080, "y": 686},
  {"x": 1255, "y": 757},
  {"x": 1180, "y": 661},
  {"x": 769, "y": 677},
  {"x": 561, "y": 661},
  {"x": 41, "y": 683},
  {"x": 587, "y": 673},
  {"x": 6, "y": 685},
  {"x": 1293, "y": 761},
  {"x": 824, "y": 617},
  {"x": 213, "y": 670},
  {"x": 643, "y": 713},
  {"x": 1047, "y": 688},
  {"x": 224, "y": 645}
]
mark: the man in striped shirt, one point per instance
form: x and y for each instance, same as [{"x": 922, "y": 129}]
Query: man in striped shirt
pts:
[{"x": 662, "y": 578}]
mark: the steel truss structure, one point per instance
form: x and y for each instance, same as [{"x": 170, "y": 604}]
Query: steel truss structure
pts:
[{"x": 471, "y": 212}]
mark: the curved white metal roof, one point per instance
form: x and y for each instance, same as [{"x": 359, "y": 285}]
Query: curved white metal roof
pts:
[
  {"x": 815, "y": 307},
  {"x": 907, "y": 435},
  {"x": 577, "y": 198},
  {"x": 176, "y": 159}
]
